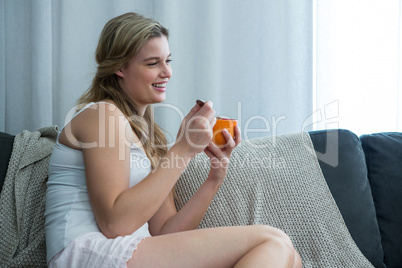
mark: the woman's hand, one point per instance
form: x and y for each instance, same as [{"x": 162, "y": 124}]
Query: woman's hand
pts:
[
  {"x": 219, "y": 158},
  {"x": 195, "y": 132},
  {"x": 192, "y": 213}
]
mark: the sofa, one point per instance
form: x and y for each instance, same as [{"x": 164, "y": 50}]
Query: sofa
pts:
[
  {"x": 364, "y": 175},
  {"x": 366, "y": 183}
]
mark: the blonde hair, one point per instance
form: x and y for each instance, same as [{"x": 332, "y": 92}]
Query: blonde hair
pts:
[{"x": 121, "y": 39}]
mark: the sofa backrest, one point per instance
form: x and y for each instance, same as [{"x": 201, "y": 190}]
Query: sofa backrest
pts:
[
  {"x": 343, "y": 164},
  {"x": 384, "y": 164}
]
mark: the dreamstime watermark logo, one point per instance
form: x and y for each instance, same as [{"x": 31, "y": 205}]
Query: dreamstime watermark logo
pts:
[
  {"x": 246, "y": 162},
  {"x": 328, "y": 118},
  {"x": 111, "y": 126},
  {"x": 252, "y": 161}
]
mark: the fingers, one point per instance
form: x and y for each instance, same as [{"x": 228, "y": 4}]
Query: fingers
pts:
[
  {"x": 203, "y": 109},
  {"x": 208, "y": 152},
  {"x": 214, "y": 150},
  {"x": 200, "y": 102},
  {"x": 206, "y": 111},
  {"x": 196, "y": 127},
  {"x": 216, "y": 156},
  {"x": 230, "y": 143},
  {"x": 203, "y": 114},
  {"x": 218, "y": 159},
  {"x": 193, "y": 111},
  {"x": 213, "y": 122}
]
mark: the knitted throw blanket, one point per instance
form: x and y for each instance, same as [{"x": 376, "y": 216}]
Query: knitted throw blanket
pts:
[
  {"x": 278, "y": 181},
  {"x": 22, "y": 200}
]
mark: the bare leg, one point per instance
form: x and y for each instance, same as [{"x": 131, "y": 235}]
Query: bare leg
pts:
[
  {"x": 237, "y": 246},
  {"x": 298, "y": 261},
  {"x": 272, "y": 253}
]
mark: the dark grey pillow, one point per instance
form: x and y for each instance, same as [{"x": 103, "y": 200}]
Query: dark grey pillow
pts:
[
  {"x": 384, "y": 161},
  {"x": 6, "y": 145},
  {"x": 344, "y": 167}
]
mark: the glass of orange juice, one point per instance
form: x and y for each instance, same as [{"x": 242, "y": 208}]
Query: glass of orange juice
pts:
[{"x": 223, "y": 123}]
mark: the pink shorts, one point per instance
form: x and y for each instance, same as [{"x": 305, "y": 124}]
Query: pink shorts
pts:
[{"x": 95, "y": 250}]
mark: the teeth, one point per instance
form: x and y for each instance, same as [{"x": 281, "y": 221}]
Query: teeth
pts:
[{"x": 160, "y": 85}]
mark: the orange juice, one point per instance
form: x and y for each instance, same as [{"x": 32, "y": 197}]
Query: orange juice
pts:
[{"x": 222, "y": 123}]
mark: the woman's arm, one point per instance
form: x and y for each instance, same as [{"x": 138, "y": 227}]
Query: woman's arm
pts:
[
  {"x": 105, "y": 141},
  {"x": 168, "y": 220}
]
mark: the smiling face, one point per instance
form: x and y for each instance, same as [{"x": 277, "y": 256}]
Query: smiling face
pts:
[{"x": 145, "y": 77}]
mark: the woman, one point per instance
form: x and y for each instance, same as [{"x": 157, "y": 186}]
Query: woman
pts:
[{"x": 110, "y": 199}]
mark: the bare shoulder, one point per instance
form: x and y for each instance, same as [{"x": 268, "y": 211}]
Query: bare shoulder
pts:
[{"x": 100, "y": 124}]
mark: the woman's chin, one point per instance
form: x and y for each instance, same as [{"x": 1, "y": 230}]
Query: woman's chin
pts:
[{"x": 160, "y": 98}]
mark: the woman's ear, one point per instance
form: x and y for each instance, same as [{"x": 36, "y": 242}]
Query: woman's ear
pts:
[{"x": 119, "y": 73}]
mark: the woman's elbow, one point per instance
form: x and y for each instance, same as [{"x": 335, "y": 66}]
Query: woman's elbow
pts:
[
  {"x": 114, "y": 229},
  {"x": 110, "y": 230}
]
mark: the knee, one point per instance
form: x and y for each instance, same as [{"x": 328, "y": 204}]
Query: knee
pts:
[
  {"x": 270, "y": 233},
  {"x": 289, "y": 254},
  {"x": 298, "y": 261},
  {"x": 283, "y": 242}
]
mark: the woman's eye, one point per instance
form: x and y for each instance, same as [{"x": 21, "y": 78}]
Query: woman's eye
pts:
[{"x": 156, "y": 62}]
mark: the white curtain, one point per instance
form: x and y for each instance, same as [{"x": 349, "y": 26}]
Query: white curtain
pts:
[
  {"x": 358, "y": 57},
  {"x": 252, "y": 58}
]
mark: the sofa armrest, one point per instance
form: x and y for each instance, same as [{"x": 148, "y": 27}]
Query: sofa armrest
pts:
[{"x": 6, "y": 145}]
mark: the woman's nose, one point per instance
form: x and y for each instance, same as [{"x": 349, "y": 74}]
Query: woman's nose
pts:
[{"x": 166, "y": 72}]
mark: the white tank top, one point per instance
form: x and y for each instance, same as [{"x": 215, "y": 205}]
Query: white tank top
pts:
[{"x": 68, "y": 211}]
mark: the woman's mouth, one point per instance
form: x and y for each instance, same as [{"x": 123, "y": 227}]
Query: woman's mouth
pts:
[{"x": 160, "y": 86}]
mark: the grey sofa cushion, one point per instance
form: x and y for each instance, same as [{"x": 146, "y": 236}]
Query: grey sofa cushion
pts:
[
  {"x": 6, "y": 146},
  {"x": 384, "y": 161},
  {"x": 343, "y": 164}
]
